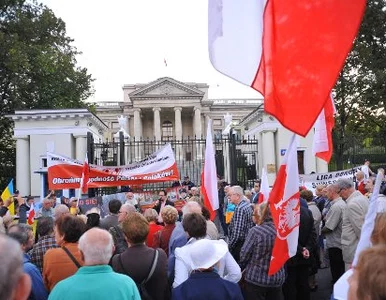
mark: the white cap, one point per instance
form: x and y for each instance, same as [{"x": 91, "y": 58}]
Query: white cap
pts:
[{"x": 206, "y": 253}]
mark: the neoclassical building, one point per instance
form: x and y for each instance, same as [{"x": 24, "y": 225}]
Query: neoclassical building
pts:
[{"x": 167, "y": 108}]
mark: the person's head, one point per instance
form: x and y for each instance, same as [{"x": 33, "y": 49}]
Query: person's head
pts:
[
  {"x": 69, "y": 229},
  {"x": 319, "y": 190},
  {"x": 23, "y": 234},
  {"x": 205, "y": 254},
  {"x": 93, "y": 220},
  {"x": 360, "y": 176},
  {"x": 96, "y": 247},
  {"x": 135, "y": 228},
  {"x": 307, "y": 195},
  {"x": 191, "y": 207},
  {"x": 169, "y": 214},
  {"x": 332, "y": 192},
  {"x": 60, "y": 210},
  {"x": 378, "y": 236},
  {"x": 73, "y": 201},
  {"x": 183, "y": 193},
  {"x": 226, "y": 189},
  {"x": 262, "y": 213},
  {"x": 151, "y": 215},
  {"x": 256, "y": 186},
  {"x": 162, "y": 195},
  {"x": 194, "y": 191},
  {"x": 17, "y": 285},
  {"x": 367, "y": 162},
  {"x": 45, "y": 226},
  {"x": 236, "y": 194},
  {"x": 205, "y": 213},
  {"x": 194, "y": 225},
  {"x": 47, "y": 204},
  {"x": 186, "y": 179},
  {"x": 369, "y": 277},
  {"x": 30, "y": 200},
  {"x": 124, "y": 211},
  {"x": 115, "y": 206},
  {"x": 346, "y": 187},
  {"x": 369, "y": 187},
  {"x": 64, "y": 200},
  {"x": 129, "y": 196},
  {"x": 248, "y": 194}
]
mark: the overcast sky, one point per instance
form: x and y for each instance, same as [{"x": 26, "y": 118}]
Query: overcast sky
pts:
[{"x": 126, "y": 41}]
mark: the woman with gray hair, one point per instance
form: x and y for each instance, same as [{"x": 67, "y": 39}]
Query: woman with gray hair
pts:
[
  {"x": 161, "y": 238},
  {"x": 151, "y": 216}
]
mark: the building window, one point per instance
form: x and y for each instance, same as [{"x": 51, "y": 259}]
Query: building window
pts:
[
  {"x": 217, "y": 122},
  {"x": 167, "y": 129}
]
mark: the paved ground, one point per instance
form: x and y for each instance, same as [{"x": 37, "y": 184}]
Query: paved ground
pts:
[{"x": 324, "y": 285}]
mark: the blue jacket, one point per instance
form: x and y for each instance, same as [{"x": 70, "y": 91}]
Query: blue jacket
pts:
[
  {"x": 38, "y": 290},
  {"x": 177, "y": 239},
  {"x": 207, "y": 285}
]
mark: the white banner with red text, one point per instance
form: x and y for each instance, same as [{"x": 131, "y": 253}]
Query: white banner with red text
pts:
[{"x": 66, "y": 173}]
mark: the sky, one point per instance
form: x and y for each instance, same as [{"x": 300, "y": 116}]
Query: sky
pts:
[{"x": 127, "y": 41}]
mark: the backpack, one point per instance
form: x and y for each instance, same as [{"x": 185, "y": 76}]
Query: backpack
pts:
[{"x": 141, "y": 286}]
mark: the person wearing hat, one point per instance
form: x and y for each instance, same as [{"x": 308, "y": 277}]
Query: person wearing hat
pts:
[
  {"x": 74, "y": 209},
  {"x": 204, "y": 282},
  {"x": 188, "y": 183}
]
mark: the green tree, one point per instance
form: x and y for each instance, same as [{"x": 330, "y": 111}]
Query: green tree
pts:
[
  {"x": 361, "y": 87},
  {"x": 38, "y": 69}
]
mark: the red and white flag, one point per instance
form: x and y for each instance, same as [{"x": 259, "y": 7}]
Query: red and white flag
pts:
[
  {"x": 285, "y": 209},
  {"x": 85, "y": 176},
  {"x": 31, "y": 215},
  {"x": 209, "y": 175},
  {"x": 322, "y": 145},
  {"x": 264, "y": 187},
  {"x": 290, "y": 51}
]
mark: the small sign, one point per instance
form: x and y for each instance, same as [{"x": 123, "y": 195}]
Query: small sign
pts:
[{"x": 282, "y": 152}]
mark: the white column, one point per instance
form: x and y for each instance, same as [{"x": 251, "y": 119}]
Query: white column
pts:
[
  {"x": 197, "y": 122},
  {"x": 157, "y": 123},
  {"x": 80, "y": 147},
  {"x": 178, "y": 122},
  {"x": 23, "y": 172},
  {"x": 137, "y": 133},
  {"x": 197, "y": 131},
  {"x": 269, "y": 160}
]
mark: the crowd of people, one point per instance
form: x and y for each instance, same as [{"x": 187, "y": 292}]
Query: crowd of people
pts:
[{"x": 161, "y": 253}]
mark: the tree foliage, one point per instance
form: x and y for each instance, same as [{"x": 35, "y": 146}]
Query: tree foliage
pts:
[
  {"x": 361, "y": 87},
  {"x": 38, "y": 69}
]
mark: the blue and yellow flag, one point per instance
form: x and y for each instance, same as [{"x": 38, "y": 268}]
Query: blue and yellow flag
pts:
[{"x": 8, "y": 192}]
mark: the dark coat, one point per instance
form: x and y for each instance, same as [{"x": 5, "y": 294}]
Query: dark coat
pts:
[
  {"x": 307, "y": 239},
  {"x": 109, "y": 221},
  {"x": 157, "y": 207},
  {"x": 136, "y": 263},
  {"x": 207, "y": 285}
]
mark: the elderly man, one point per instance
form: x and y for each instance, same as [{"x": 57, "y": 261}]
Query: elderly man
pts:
[
  {"x": 353, "y": 218},
  {"x": 18, "y": 284},
  {"x": 116, "y": 231},
  {"x": 360, "y": 182},
  {"x": 241, "y": 221},
  {"x": 46, "y": 210},
  {"x": 96, "y": 279},
  {"x": 333, "y": 231},
  {"x": 60, "y": 210}
]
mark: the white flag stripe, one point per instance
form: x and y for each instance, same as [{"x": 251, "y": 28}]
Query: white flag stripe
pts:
[{"x": 264, "y": 185}]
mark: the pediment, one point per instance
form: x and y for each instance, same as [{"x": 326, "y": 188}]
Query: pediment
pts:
[{"x": 166, "y": 87}]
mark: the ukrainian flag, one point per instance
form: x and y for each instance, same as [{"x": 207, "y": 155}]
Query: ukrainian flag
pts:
[{"x": 8, "y": 192}]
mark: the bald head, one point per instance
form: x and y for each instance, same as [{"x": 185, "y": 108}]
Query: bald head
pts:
[
  {"x": 191, "y": 207},
  {"x": 96, "y": 246}
]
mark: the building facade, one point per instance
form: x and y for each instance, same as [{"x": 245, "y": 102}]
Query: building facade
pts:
[{"x": 167, "y": 108}]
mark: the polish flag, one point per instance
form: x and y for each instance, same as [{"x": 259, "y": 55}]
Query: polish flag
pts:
[
  {"x": 264, "y": 187},
  {"x": 322, "y": 145},
  {"x": 85, "y": 176},
  {"x": 290, "y": 51},
  {"x": 285, "y": 209},
  {"x": 31, "y": 215},
  {"x": 209, "y": 175}
]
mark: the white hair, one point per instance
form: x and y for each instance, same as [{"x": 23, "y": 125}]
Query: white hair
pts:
[
  {"x": 11, "y": 266},
  {"x": 97, "y": 247},
  {"x": 236, "y": 189},
  {"x": 60, "y": 210},
  {"x": 191, "y": 207},
  {"x": 127, "y": 207}
]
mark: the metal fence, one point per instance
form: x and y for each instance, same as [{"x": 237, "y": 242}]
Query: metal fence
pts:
[{"x": 236, "y": 159}]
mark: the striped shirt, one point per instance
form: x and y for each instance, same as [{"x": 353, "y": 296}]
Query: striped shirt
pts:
[{"x": 256, "y": 255}]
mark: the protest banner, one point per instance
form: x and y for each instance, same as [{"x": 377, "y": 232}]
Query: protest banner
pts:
[
  {"x": 311, "y": 181},
  {"x": 66, "y": 173}
]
